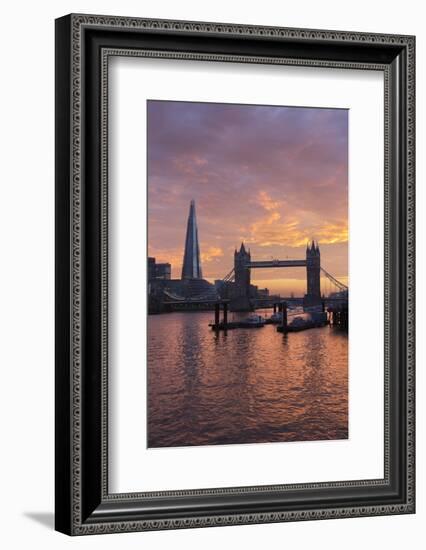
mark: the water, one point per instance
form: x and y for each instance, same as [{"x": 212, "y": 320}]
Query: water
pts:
[{"x": 247, "y": 386}]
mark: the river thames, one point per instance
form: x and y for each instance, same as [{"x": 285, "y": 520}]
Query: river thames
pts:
[{"x": 243, "y": 386}]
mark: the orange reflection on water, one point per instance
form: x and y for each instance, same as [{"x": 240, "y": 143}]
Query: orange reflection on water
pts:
[{"x": 245, "y": 386}]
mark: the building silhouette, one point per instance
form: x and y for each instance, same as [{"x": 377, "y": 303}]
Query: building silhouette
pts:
[
  {"x": 191, "y": 268},
  {"x": 158, "y": 270}
]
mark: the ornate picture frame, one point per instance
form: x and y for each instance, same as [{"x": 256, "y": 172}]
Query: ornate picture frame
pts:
[{"x": 84, "y": 44}]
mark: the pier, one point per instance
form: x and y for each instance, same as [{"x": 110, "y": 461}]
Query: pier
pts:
[
  {"x": 286, "y": 322},
  {"x": 224, "y": 324},
  {"x": 297, "y": 322},
  {"x": 339, "y": 316}
]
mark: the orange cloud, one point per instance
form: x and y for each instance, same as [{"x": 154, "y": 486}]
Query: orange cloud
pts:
[
  {"x": 299, "y": 228},
  {"x": 270, "y": 232},
  {"x": 210, "y": 254},
  {"x": 266, "y": 201},
  {"x": 332, "y": 233}
]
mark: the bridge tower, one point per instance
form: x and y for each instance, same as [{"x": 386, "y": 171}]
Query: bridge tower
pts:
[
  {"x": 241, "y": 291},
  {"x": 313, "y": 269}
]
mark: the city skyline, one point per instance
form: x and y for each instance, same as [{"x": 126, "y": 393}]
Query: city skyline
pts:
[{"x": 271, "y": 177}]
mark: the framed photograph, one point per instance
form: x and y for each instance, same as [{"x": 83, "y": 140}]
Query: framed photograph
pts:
[{"x": 234, "y": 274}]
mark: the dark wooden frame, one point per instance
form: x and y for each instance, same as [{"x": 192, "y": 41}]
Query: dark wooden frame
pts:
[{"x": 83, "y": 46}]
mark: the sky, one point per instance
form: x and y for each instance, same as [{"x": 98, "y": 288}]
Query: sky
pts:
[{"x": 272, "y": 177}]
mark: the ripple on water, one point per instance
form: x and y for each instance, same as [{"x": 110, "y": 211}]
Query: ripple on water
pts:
[{"x": 246, "y": 386}]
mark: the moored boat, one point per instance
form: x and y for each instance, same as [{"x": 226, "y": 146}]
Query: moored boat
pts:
[
  {"x": 252, "y": 321},
  {"x": 275, "y": 318}
]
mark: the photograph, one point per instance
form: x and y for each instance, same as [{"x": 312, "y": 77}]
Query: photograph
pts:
[{"x": 247, "y": 273}]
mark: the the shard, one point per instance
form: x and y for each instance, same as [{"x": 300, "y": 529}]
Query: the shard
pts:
[{"x": 191, "y": 268}]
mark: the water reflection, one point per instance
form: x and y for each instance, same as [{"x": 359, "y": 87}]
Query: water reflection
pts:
[{"x": 244, "y": 386}]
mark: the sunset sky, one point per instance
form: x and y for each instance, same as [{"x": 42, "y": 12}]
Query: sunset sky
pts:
[{"x": 273, "y": 177}]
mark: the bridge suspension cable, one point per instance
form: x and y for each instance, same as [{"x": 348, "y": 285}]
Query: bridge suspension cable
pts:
[
  {"x": 337, "y": 283},
  {"x": 173, "y": 296},
  {"x": 229, "y": 276}
]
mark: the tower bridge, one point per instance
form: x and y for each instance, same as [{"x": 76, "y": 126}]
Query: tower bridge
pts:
[
  {"x": 243, "y": 264},
  {"x": 240, "y": 275}
]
